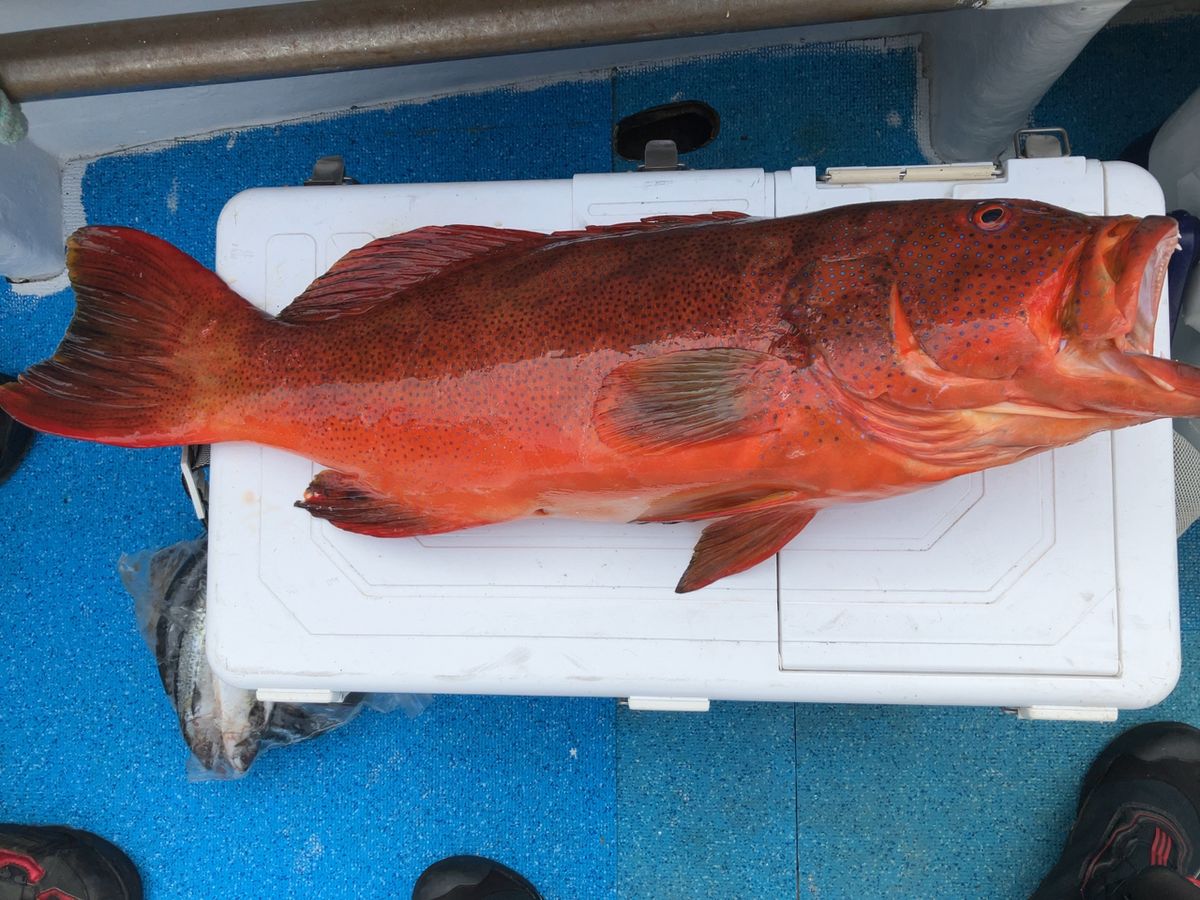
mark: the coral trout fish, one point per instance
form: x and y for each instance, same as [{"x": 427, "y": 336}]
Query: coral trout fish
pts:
[{"x": 740, "y": 370}]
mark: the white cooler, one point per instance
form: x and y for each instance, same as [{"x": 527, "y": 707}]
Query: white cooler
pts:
[{"x": 1049, "y": 586}]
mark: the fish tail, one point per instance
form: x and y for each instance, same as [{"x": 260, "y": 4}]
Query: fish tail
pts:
[{"x": 136, "y": 365}]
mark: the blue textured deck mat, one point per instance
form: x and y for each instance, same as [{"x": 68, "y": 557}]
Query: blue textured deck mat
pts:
[
  {"x": 86, "y": 735},
  {"x": 883, "y": 802},
  {"x": 1125, "y": 83},
  {"x": 839, "y": 103},
  {"x": 707, "y": 803}
]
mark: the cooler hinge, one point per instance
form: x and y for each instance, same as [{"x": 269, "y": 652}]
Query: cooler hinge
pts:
[
  {"x": 1064, "y": 713},
  {"x": 668, "y": 704},
  {"x": 299, "y": 695},
  {"x": 892, "y": 174}
]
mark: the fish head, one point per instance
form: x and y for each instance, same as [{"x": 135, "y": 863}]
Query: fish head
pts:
[{"x": 1040, "y": 306}]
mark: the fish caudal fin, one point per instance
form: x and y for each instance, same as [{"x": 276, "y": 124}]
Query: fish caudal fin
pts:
[{"x": 149, "y": 321}]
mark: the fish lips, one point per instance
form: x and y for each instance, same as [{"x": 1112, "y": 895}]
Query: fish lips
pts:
[
  {"x": 1140, "y": 386},
  {"x": 1123, "y": 387},
  {"x": 1174, "y": 388}
]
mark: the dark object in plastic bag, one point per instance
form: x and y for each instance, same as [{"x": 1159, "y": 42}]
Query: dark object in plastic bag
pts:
[
  {"x": 15, "y": 439},
  {"x": 1182, "y": 262},
  {"x": 226, "y": 727},
  {"x": 222, "y": 725},
  {"x": 689, "y": 123}
]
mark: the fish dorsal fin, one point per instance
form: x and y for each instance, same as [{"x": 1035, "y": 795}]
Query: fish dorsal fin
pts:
[
  {"x": 378, "y": 271},
  {"x": 381, "y": 270},
  {"x": 656, "y": 223}
]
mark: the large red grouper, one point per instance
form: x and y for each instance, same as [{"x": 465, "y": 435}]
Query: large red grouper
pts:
[{"x": 748, "y": 371}]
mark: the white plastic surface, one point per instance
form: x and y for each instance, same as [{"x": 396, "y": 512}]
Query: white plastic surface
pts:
[{"x": 1051, "y": 583}]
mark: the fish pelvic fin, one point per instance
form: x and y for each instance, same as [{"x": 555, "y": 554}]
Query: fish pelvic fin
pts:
[
  {"x": 736, "y": 543},
  {"x": 351, "y": 504},
  {"x": 149, "y": 323},
  {"x": 709, "y": 504}
]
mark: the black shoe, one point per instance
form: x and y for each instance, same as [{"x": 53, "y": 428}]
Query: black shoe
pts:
[
  {"x": 472, "y": 878},
  {"x": 15, "y": 439},
  {"x": 63, "y": 864},
  {"x": 1137, "y": 828}
]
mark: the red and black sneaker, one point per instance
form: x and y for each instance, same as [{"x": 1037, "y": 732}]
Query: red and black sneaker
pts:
[
  {"x": 58, "y": 863},
  {"x": 472, "y": 878},
  {"x": 1137, "y": 829}
]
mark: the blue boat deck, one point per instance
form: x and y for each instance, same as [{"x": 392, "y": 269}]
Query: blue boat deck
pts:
[{"x": 586, "y": 798}]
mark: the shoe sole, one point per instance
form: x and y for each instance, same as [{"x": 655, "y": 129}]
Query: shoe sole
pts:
[
  {"x": 1151, "y": 743},
  {"x": 117, "y": 860}
]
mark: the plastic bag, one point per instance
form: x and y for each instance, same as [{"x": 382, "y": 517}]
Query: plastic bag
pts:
[{"x": 226, "y": 727}]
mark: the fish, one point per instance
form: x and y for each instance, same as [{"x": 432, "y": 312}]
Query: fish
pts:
[
  {"x": 739, "y": 371},
  {"x": 225, "y": 727}
]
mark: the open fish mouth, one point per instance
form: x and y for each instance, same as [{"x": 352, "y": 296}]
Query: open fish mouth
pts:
[
  {"x": 1137, "y": 261},
  {"x": 1127, "y": 378},
  {"x": 1119, "y": 281}
]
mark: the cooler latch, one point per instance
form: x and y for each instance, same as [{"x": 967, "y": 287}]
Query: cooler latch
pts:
[
  {"x": 1041, "y": 143},
  {"x": 329, "y": 170},
  {"x": 661, "y": 156}
]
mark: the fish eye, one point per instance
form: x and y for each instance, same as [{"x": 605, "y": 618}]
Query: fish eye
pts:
[{"x": 990, "y": 216}]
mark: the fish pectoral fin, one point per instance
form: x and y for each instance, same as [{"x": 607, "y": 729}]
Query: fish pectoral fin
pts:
[
  {"x": 733, "y": 545},
  {"x": 352, "y": 505},
  {"x": 689, "y": 397}
]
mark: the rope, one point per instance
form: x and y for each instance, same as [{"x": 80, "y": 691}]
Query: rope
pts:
[{"x": 12, "y": 121}]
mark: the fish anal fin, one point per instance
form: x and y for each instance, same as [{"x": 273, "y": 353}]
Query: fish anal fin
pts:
[
  {"x": 736, "y": 543},
  {"x": 689, "y": 397},
  {"x": 352, "y": 505}
]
